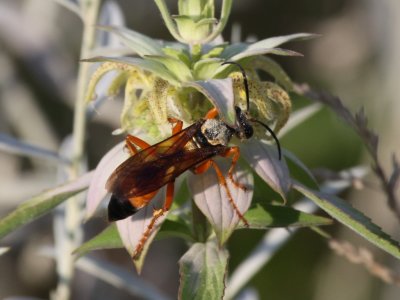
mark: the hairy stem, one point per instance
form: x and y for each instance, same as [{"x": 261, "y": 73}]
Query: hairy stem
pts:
[{"x": 70, "y": 223}]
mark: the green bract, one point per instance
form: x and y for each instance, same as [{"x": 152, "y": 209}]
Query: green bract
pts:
[{"x": 176, "y": 79}]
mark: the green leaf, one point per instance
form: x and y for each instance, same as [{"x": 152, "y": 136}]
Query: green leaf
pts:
[
  {"x": 211, "y": 51},
  {"x": 179, "y": 53},
  {"x": 171, "y": 25},
  {"x": 223, "y": 19},
  {"x": 352, "y": 218},
  {"x": 262, "y": 51},
  {"x": 192, "y": 30},
  {"x": 175, "y": 228},
  {"x": 206, "y": 68},
  {"x": 41, "y": 204},
  {"x": 245, "y": 50},
  {"x": 174, "y": 65},
  {"x": 139, "y": 43},
  {"x": 107, "y": 239},
  {"x": 270, "y": 66},
  {"x": 264, "y": 216},
  {"x": 152, "y": 66},
  {"x": 202, "y": 271}
]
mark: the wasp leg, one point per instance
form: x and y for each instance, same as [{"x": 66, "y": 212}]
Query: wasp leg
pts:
[
  {"x": 203, "y": 167},
  {"x": 212, "y": 113},
  {"x": 157, "y": 213},
  {"x": 178, "y": 125},
  {"x": 235, "y": 153},
  {"x": 131, "y": 141}
]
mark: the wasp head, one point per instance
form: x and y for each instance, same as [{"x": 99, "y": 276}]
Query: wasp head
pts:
[{"x": 244, "y": 129}]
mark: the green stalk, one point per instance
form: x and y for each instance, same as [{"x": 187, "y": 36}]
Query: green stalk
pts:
[
  {"x": 169, "y": 22},
  {"x": 72, "y": 237}
]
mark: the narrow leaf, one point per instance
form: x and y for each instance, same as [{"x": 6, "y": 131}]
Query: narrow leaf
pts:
[
  {"x": 206, "y": 68},
  {"x": 139, "y": 43},
  {"x": 220, "y": 93},
  {"x": 202, "y": 272},
  {"x": 270, "y": 66},
  {"x": 107, "y": 239},
  {"x": 268, "y": 43},
  {"x": 352, "y": 218},
  {"x": 12, "y": 145},
  {"x": 42, "y": 203},
  {"x": 174, "y": 65},
  {"x": 154, "y": 67},
  {"x": 223, "y": 19},
  {"x": 262, "y": 51},
  {"x": 264, "y": 216}
]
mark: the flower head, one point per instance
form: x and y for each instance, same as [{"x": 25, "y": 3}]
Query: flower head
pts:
[{"x": 183, "y": 81}]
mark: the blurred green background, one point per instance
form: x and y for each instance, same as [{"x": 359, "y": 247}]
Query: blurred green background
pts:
[{"x": 356, "y": 57}]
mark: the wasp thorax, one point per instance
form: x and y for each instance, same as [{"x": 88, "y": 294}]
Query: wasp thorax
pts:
[{"x": 217, "y": 132}]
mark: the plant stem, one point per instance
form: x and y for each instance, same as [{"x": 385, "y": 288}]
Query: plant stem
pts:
[{"x": 71, "y": 228}]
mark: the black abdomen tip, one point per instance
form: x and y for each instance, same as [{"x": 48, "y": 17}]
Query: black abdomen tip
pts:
[{"x": 119, "y": 208}]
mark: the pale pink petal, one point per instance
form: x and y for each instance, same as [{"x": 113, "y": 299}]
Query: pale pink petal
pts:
[
  {"x": 211, "y": 198},
  {"x": 263, "y": 158},
  {"x": 220, "y": 93},
  {"x": 106, "y": 166},
  {"x": 131, "y": 229}
]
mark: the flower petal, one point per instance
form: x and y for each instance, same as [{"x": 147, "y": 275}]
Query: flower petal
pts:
[
  {"x": 97, "y": 190},
  {"x": 211, "y": 198},
  {"x": 131, "y": 229},
  {"x": 264, "y": 160},
  {"x": 220, "y": 93}
]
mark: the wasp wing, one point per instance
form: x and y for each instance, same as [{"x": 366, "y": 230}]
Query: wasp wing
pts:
[{"x": 155, "y": 166}]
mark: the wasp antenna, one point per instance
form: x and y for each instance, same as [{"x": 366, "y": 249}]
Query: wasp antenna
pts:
[
  {"x": 273, "y": 135},
  {"x": 246, "y": 85}
]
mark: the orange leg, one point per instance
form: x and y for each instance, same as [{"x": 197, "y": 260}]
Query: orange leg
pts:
[
  {"x": 131, "y": 141},
  {"x": 212, "y": 113},
  {"x": 178, "y": 125},
  {"x": 235, "y": 153},
  {"x": 221, "y": 179},
  {"x": 142, "y": 201},
  {"x": 157, "y": 213},
  {"x": 203, "y": 167}
]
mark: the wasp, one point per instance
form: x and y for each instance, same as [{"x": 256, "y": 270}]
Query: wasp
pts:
[{"x": 137, "y": 180}]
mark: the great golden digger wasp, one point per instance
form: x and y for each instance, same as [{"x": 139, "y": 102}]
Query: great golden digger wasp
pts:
[{"x": 137, "y": 180}]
